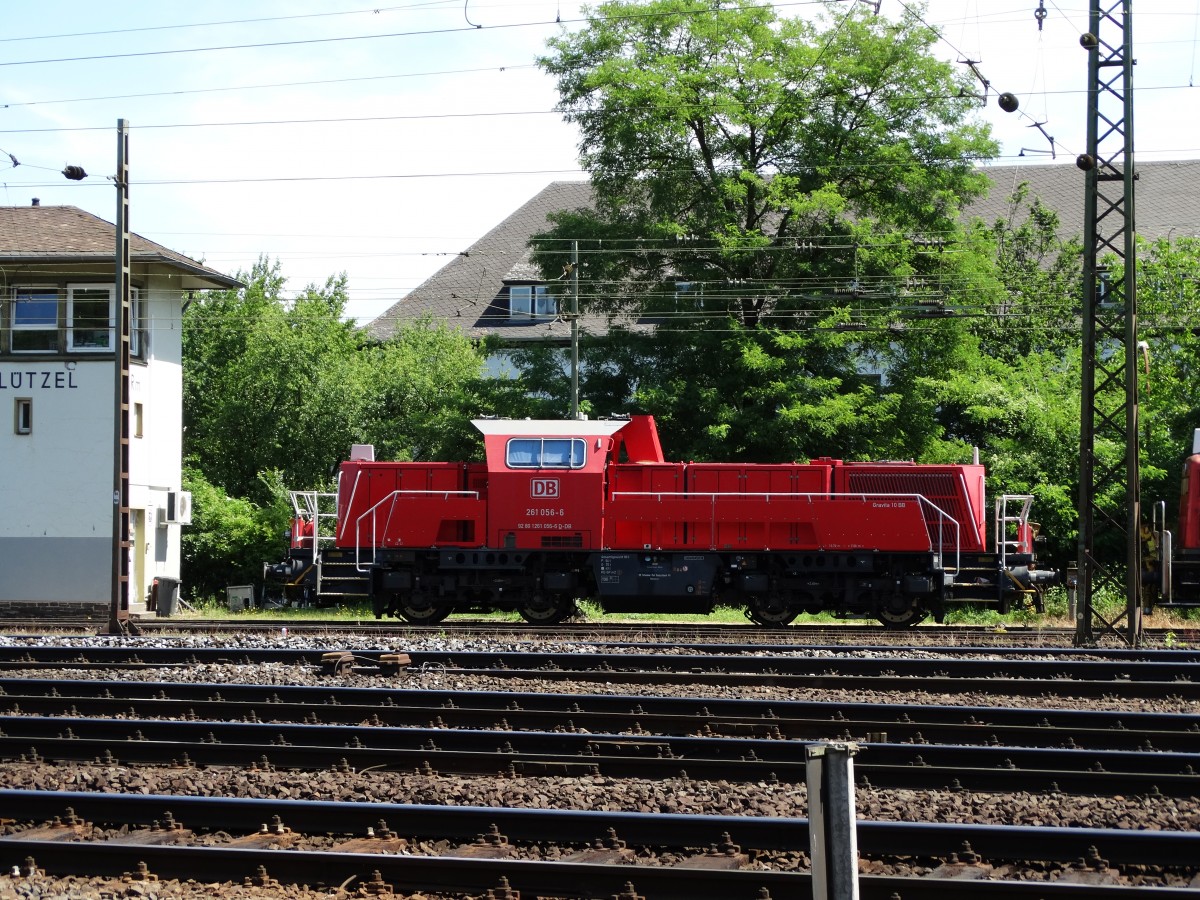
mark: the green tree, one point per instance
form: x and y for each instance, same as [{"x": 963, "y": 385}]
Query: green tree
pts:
[
  {"x": 1169, "y": 323},
  {"x": 768, "y": 191},
  {"x": 277, "y": 389},
  {"x": 270, "y": 383},
  {"x": 230, "y": 537},
  {"x": 424, "y": 387},
  {"x": 1032, "y": 297}
]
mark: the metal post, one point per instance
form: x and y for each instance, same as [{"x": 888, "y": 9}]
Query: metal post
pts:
[
  {"x": 832, "y": 832},
  {"x": 119, "y": 621},
  {"x": 1109, "y": 486},
  {"x": 574, "y": 330}
]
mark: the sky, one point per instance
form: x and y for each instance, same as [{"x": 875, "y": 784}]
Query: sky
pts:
[{"x": 335, "y": 137}]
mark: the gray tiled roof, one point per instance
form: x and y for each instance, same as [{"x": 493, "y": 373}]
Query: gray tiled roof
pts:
[
  {"x": 463, "y": 291},
  {"x": 1166, "y": 199},
  {"x": 63, "y": 234}
]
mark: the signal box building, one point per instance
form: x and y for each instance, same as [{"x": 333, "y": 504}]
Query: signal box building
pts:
[{"x": 58, "y": 411}]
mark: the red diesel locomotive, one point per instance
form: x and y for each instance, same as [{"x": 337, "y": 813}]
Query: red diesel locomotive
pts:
[{"x": 565, "y": 510}]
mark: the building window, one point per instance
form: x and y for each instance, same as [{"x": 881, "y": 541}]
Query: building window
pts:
[
  {"x": 90, "y": 322},
  {"x": 526, "y": 301},
  {"x": 35, "y": 320},
  {"x": 23, "y": 410},
  {"x": 689, "y": 295},
  {"x": 137, "y": 325},
  {"x": 137, "y": 420}
]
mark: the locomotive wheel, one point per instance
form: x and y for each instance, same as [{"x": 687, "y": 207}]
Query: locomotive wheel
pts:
[
  {"x": 900, "y": 613},
  {"x": 770, "y": 610},
  {"x": 547, "y": 609},
  {"x": 423, "y": 609}
]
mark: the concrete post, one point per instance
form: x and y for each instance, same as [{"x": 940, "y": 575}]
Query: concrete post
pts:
[{"x": 832, "y": 831}]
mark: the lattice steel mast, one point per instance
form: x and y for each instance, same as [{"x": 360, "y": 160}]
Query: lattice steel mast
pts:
[{"x": 1109, "y": 477}]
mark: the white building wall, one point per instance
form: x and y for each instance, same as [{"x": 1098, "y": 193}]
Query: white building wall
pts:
[
  {"x": 155, "y": 466},
  {"x": 56, "y": 483}
]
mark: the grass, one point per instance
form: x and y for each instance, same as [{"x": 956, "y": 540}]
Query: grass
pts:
[{"x": 1055, "y": 615}]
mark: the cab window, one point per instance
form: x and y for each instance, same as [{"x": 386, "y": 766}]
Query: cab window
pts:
[{"x": 546, "y": 453}]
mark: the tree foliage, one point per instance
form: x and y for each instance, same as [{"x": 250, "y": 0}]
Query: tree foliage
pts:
[
  {"x": 276, "y": 389},
  {"x": 767, "y": 159},
  {"x": 230, "y": 537},
  {"x": 269, "y": 383},
  {"x": 774, "y": 199}
]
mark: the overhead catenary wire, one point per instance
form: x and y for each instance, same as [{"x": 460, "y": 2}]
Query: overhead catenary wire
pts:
[
  {"x": 201, "y": 182},
  {"x": 426, "y": 32},
  {"x": 270, "y": 85},
  {"x": 376, "y": 10}
]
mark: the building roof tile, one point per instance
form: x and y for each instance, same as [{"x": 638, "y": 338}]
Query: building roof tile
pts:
[{"x": 47, "y": 234}]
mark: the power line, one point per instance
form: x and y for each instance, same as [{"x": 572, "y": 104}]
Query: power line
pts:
[
  {"x": 261, "y": 122},
  {"x": 267, "y": 86},
  {"x": 348, "y": 12},
  {"x": 366, "y": 37}
]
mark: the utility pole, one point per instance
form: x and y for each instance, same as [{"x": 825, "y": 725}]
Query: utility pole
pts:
[
  {"x": 1109, "y": 484},
  {"x": 574, "y": 330},
  {"x": 119, "y": 621}
]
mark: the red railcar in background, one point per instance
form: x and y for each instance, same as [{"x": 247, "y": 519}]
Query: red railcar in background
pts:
[
  {"x": 1171, "y": 560},
  {"x": 566, "y": 510}
]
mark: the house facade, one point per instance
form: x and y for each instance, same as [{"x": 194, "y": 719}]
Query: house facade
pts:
[{"x": 58, "y": 343}]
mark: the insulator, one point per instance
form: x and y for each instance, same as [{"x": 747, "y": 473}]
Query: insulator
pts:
[{"x": 74, "y": 173}]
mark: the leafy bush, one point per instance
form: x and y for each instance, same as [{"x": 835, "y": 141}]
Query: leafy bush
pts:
[{"x": 229, "y": 538}]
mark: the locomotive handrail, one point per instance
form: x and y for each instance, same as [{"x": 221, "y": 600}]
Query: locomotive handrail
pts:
[
  {"x": 1003, "y": 519},
  {"x": 307, "y": 507},
  {"x": 942, "y": 517},
  {"x": 393, "y": 497}
]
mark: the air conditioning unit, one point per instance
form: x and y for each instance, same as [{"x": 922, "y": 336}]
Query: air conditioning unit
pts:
[{"x": 178, "y": 510}]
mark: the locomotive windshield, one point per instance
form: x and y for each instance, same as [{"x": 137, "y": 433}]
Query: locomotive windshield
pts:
[{"x": 546, "y": 453}]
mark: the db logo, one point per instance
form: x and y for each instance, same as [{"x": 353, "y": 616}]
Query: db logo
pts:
[{"x": 543, "y": 488}]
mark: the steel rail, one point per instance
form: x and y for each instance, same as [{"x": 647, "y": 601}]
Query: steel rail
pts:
[
  {"x": 619, "y": 755},
  {"x": 1161, "y": 665},
  {"x": 592, "y": 713},
  {"x": 545, "y": 879},
  {"x": 800, "y": 633},
  {"x": 1176, "y": 849}
]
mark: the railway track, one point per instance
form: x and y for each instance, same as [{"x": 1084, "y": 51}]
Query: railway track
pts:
[
  {"x": 457, "y": 732},
  {"x": 554, "y": 852},
  {"x": 597, "y": 713},
  {"x": 796, "y": 634},
  {"x": 167, "y": 725},
  {"x": 1129, "y": 673}
]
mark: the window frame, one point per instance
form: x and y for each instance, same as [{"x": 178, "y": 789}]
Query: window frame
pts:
[
  {"x": 576, "y": 453},
  {"x": 139, "y": 340},
  {"x": 536, "y": 302},
  {"x": 110, "y": 330},
  {"x": 23, "y": 415},
  {"x": 30, "y": 291}
]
